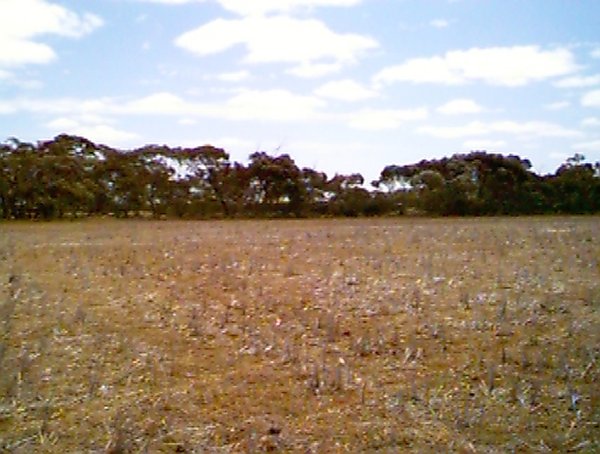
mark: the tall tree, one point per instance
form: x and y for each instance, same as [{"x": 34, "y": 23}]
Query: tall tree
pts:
[
  {"x": 207, "y": 168},
  {"x": 276, "y": 184},
  {"x": 576, "y": 187}
]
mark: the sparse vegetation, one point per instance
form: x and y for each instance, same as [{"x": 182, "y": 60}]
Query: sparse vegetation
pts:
[{"x": 463, "y": 335}]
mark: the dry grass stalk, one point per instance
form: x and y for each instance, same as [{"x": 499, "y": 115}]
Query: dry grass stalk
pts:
[{"x": 488, "y": 327}]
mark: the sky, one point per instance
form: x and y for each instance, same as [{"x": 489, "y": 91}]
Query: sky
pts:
[{"x": 341, "y": 85}]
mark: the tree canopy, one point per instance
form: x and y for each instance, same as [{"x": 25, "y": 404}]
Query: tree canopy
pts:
[{"x": 70, "y": 176}]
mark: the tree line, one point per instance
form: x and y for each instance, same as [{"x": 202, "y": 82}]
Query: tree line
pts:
[{"x": 70, "y": 176}]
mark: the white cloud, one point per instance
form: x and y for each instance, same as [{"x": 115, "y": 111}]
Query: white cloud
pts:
[
  {"x": 262, "y": 105},
  {"x": 504, "y": 66},
  {"x": 314, "y": 70},
  {"x": 456, "y": 132},
  {"x": 162, "y": 103},
  {"x": 595, "y": 53},
  {"x": 27, "y": 18},
  {"x": 332, "y": 156},
  {"x": 591, "y": 99},
  {"x": 60, "y": 106},
  {"x": 533, "y": 129},
  {"x": 478, "y": 128},
  {"x": 578, "y": 81},
  {"x": 97, "y": 132},
  {"x": 7, "y": 107},
  {"x": 558, "y": 155},
  {"x": 484, "y": 144},
  {"x": 277, "y": 39},
  {"x": 105, "y": 134},
  {"x": 460, "y": 107},
  {"x": 24, "y": 20},
  {"x": 559, "y": 105},
  {"x": 587, "y": 146},
  {"x": 591, "y": 122},
  {"x": 261, "y": 7},
  {"x": 439, "y": 23},
  {"x": 4, "y": 75},
  {"x": 62, "y": 124},
  {"x": 345, "y": 90},
  {"x": 258, "y": 7},
  {"x": 14, "y": 52},
  {"x": 172, "y": 2},
  {"x": 12, "y": 79},
  {"x": 235, "y": 76},
  {"x": 420, "y": 70},
  {"x": 381, "y": 119},
  {"x": 74, "y": 121},
  {"x": 271, "y": 105}
]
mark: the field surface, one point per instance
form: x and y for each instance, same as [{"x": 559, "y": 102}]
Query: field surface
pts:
[{"x": 408, "y": 335}]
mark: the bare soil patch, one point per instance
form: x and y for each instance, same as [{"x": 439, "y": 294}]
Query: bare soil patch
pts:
[{"x": 445, "y": 335}]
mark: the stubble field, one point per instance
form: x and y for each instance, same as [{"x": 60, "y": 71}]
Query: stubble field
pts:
[{"x": 473, "y": 335}]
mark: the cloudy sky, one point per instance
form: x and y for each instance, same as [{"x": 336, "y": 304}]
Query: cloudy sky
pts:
[{"x": 341, "y": 85}]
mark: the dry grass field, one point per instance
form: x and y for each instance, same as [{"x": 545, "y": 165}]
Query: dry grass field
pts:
[{"x": 323, "y": 336}]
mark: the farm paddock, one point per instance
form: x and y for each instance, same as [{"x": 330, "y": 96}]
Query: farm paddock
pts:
[{"x": 384, "y": 335}]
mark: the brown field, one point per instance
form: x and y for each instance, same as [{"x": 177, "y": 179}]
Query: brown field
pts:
[{"x": 408, "y": 335}]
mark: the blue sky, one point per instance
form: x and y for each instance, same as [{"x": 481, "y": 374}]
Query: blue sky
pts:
[{"x": 341, "y": 85}]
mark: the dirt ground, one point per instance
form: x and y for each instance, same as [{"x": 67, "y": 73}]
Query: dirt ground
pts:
[{"x": 324, "y": 336}]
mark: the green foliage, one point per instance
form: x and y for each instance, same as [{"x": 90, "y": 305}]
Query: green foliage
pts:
[
  {"x": 71, "y": 176},
  {"x": 481, "y": 183}
]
